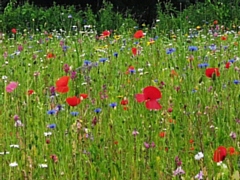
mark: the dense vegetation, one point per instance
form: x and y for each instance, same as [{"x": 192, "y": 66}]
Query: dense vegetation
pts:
[{"x": 100, "y": 96}]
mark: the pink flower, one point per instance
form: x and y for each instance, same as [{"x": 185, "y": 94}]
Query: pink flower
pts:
[{"x": 11, "y": 86}]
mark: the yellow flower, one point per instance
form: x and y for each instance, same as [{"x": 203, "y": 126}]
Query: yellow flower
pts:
[
  {"x": 143, "y": 24},
  {"x": 198, "y": 28},
  {"x": 116, "y": 37},
  {"x": 174, "y": 36}
]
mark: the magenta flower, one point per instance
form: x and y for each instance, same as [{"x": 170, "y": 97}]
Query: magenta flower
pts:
[
  {"x": 135, "y": 133},
  {"x": 11, "y": 86},
  {"x": 146, "y": 145}
]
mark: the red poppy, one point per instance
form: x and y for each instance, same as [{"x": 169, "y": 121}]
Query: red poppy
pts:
[
  {"x": 124, "y": 101},
  {"x": 231, "y": 151},
  {"x": 219, "y": 154},
  {"x": 62, "y": 84},
  {"x": 134, "y": 51},
  {"x": 30, "y": 92},
  {"x": 139, "y": 34},
  {"x": 73, "y": 101},
  {"x": 212, "y": 71},
  {"x": 191, "y": 141},
  {"x": 50, "y": 55},
  {"x": 227, "y": 65},
  {"x": 215, "y": 22},
  {"x": 14, "y": 31},
  {"x": 224, "y": 38},
  {"x": 106, "y": 33},
  {"x": 150, "y": 96},
  {"x": 162, "y": 134},
  {"x": 83, "y": 96}
]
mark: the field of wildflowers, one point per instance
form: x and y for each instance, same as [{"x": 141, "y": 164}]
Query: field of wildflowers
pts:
[{"x": 135, "y": 104}]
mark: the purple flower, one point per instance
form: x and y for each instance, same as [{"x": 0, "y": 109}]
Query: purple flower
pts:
[
  {"x": 73, "y": 75},
  {"x": 153, "y": 145},
  {"x": 179, "y": 171},
  {"x": 135, "y": 133},
  {"x": 199, "y": 176},
  {"x": 16, "y": 117},
  {"x": 52, "y": 90},
  {"x": 66, "y": 68},
  {"x": 146, "y": 145},
  {"x": 233, "y": 135},
  {"x": 20, "y": 48}
]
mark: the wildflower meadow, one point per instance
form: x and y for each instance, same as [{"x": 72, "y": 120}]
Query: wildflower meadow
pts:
[{"x": 136, "y": 102}]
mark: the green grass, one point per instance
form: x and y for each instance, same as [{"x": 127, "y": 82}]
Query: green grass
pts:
[{"x": 110, "y": 151}]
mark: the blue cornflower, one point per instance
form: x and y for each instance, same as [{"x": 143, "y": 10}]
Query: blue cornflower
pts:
[
  {"x": 51, "y": 112},
  {"x": 132, "y": 71},
  {"x": 203, "y": 65},
  {"x": 59, "y": 107},
  {"x": 51, "y": 126},
  {"x": 236, "y": 82},
  {"x": 87, "y": 62},
  {"x": 103, "y": 60},
  {"x": 74, "y": 113},
  {"x": 136, "y": 42},
  {"x": 98, "y": 110},
  {"x": 156, "y": 37},
  {"x": 231, "y": 61},
  {"x": 64, "y": 48},
  {"x": 213, "y": 47},
  {"x": 170, "y": 50},
  {"x": 113, "y": 105},
  {"x": 115, "y": 54},
  {"x": 194, "y": 90},
  {"x": 192, "y": 48}
]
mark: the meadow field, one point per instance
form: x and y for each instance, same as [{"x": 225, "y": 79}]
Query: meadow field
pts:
[{"x": 138, "y": 104}]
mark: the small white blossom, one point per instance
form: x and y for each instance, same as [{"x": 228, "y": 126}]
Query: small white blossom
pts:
[
  {"x": 43, "y": 165},
  {"x": 14, "y": 146},
  {"x": 14, "y": 164},
  {"x": 47, "y": 133},
  {"x": 198, "y": 156},
  {"x": 3, "y": 153}
]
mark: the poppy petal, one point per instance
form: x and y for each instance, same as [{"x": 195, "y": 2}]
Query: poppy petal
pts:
[
  {"x": 73, "y": 101},
  {"x": 140, "y": 97},
  {"x": 153, "y": 105},
  {"x": 63, "y": 81},
  {"x": 139, "y": 34},
  {"x": 62, "y": 89},
  {"x": 84, "y": 96},
  {"x": 219, "y": 154},
  {"x": 211, "y": 71},
  {"x": 134, "y": 51},
  {"x": 152, "y": 93}
]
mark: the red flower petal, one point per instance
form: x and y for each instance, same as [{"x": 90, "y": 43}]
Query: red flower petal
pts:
[
  {"x": 227, "y": 65},
  {"x": 138, "y": 34},
  {"x": 14, "y": 31},
  {"x": 152, "y": 93},
  {"x": 153, "y": 105},
  {"x": 134, "y": 51},
  {"x": 73, "y": 101},
  {"x": 219, "y": 154},
  {"x": 210, "y": 71},
  {"x": 106, "y": 33},
  {"x": 140, "y": 97},
  {"x": 231, "y": 150},
  {"x": 62, "y": 89},
  {"x": 30, "y": 92},
  {"x": 124, "y": 102},
  {"x": 63, "y": 81},
  {"x": 84, "y": 96}
]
